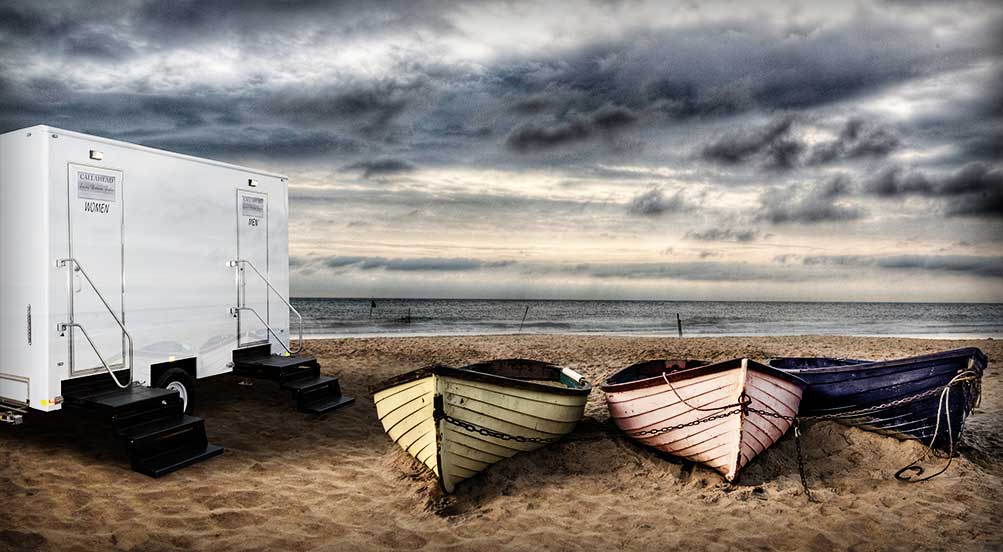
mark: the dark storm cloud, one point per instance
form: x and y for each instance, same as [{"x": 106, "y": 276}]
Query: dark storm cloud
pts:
[
  {"x": 270, "y": 143},
  {"x": 723, "y": 234},
  {"x": 87, "y": 32},
  {"x": 185, "y": 21},
  {"x": 753, "y": 70},
  {"x": 984, "y": 204},
  {"x": 974, "y": 190},
  {"x": 822, "y": 203},
  {"x": 816, "y": 267},
  {"x": 566, "y": 98},
  {"x": 709, "y": 271},
  {"x": 772, "y": 144},
  {"x": 982, "y": 266},
  {"x": 370, "y": 108},
  {"x": 461, "y": 202},
  {"x": 776, "y": 146},
  {"x": 381, "y": 167},
  {"x": 972, "y": 178},
  {"x": 654, "y": 202},
  {"x": 857, "y": 140},
  {"x": 530, "y": 105},
  {"x": 56, "y": 99},
  {"x": 530, "y": 136},
  {"x": 409, "y": 265}
]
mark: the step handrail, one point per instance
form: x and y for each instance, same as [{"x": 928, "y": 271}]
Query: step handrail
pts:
[
  {"x": 236, "y": 263},
  {"x": 62, "y": 327},
  {"x": 235, "y": 310}
]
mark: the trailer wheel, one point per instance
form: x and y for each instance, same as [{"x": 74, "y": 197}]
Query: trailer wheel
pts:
[{"x": 178, "y": 380}]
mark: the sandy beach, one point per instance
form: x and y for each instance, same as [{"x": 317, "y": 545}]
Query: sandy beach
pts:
[{"x": 288, "y": 481}]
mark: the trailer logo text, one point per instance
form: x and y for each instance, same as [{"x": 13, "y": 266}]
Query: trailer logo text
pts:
[{"x": 100, "y": 187}]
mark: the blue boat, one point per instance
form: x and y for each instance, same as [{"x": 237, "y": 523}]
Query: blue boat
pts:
[{"x": 924, "y": 397}]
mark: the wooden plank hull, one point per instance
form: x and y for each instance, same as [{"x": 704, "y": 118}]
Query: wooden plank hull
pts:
[
  {"x": 840, "y": 386},
  {"x": 504, "y": 397},
  {"x": 669, "y": 394}
]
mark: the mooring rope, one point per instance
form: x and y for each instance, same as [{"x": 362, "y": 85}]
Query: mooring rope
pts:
[
  {"x": 969, "y": 378},
  {"x": 743, "y": 406},
  {"x": 743, "y": 400},
  {"x": 944, "y": 408}
]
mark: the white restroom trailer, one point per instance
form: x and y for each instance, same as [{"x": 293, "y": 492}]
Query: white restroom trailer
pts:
[{"x": 119, "y": 261}]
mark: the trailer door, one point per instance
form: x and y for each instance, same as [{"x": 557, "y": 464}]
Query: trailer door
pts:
[
  {"x": 95, "y": 225},
  {"x": 252, "y": 246}
]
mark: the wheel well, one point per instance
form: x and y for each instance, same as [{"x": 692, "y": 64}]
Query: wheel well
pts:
[{"x": 186, "y": 364}]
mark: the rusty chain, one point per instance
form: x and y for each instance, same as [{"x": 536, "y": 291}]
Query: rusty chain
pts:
[
  {"x": 480, "y": 430},
  {"x": 745, "y": 409},
  {"x": 666, "y": 429},
  {"x": 875, "y": 408}
]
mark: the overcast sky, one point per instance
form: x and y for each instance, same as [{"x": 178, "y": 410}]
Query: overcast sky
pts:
[{"x": 690, "y": 150}]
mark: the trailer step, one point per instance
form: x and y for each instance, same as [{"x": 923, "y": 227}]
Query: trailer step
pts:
[
  {"x": 307, "y": 384},
  {"x": 318, "y": 394},
  {"x": 300, "y": 375},
  {"x": 158, "y": 429},
  {"x": 135, "y": 397},
  {"x": 162, "y": 445},
  {"x": 150, "y": 422},
  {"x": 325, "y": 405},
  {"x": 170, "y": 461}
]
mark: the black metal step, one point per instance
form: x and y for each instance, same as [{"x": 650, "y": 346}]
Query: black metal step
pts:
[
  {"x": 298, "y": 374},
  {"x": 149, "y": 420},
  {"x": 325, "y": 405},
  {"x": 173, "y": 460},
  {"x": 275, "y": 362},
  {"x": 163, "y": 445},
  {"x": 308, "y": 383},
  {"x": 140, "y": 436},
  {"x": 112, "y": 401},
  {"x": 318, "y": 394}
]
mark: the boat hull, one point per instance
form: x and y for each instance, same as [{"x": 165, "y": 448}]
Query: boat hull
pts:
[
  {"x": 687, "y": 409},
  {"x": 839, "y": 387},
  {"x": 455, "y": 421}
]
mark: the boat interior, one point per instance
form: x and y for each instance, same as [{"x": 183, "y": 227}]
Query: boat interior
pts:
[
  {"x": 653, "y": 369},
  {"x": 810, "y": 363}
]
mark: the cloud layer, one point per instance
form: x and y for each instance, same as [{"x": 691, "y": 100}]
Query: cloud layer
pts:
[{"x": 647, "y": 142}]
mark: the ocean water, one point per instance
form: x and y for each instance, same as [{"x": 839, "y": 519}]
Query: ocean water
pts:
[{"x": 411, "y": 317}]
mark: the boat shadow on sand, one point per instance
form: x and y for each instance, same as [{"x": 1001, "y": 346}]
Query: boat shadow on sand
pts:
[{"x": 836, "y": 458}]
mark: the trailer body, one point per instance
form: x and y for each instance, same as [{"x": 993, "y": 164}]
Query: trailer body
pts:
[{"x": 114, "y": 255}]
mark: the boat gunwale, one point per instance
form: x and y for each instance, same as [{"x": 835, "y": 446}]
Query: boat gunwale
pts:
[
  {"x": 584, "y": 387},
  {"x": 687, "y": 373},
  {"x": 979, "y": 356}
]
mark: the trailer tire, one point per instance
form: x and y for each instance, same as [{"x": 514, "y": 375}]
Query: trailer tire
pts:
[{"x": 179, "y": 380}]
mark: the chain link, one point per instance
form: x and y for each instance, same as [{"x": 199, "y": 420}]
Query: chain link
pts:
[
  {"x": 746, "y": 409},
  {"x": 661, "y": 430},
  {"x": 876, "y": 408},
  {"x": 473, "y": 428},
  {"x": 801, "y": 468}
]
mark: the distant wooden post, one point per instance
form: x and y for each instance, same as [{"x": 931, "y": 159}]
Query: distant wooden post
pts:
[
  {"x": 523, "y": 318},
  {"x": 679, "y": 325},
  {"x": 372, "y": 305}
]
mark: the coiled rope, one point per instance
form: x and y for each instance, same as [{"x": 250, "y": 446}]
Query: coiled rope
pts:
[{"x": 970, "y": 378}]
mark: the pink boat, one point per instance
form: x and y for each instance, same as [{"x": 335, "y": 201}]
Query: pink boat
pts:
[{"x": 721, "y": 415}]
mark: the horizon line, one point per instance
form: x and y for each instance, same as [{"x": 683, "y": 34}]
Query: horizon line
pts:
[{"x": 374, "y": 298}]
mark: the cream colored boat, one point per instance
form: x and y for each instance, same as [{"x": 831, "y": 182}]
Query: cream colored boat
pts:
[{"x": 459, "y": 421}]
